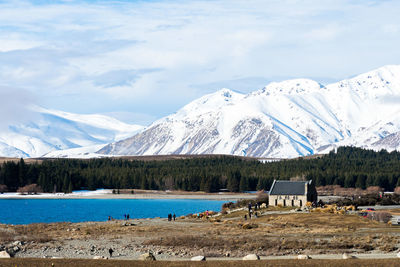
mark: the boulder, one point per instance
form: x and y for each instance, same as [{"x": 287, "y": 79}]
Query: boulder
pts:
[
  {"x": 100, "y": 258},
  {"x": 398, "y": 254},
  {"x": 17, "y": 243},
  {"x": 251, "y": 257},
  {"x": 147, "y": 257},
  {"x": 4, "y": 254},
  {"x": 249, "y": 226},
  {"x": 198, "y": 258},
  {"x": 303, "y": 257},
  {"x": 346, "y": 256}
]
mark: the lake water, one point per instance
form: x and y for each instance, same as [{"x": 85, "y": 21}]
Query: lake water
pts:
[{"x": 25, "y": 211}]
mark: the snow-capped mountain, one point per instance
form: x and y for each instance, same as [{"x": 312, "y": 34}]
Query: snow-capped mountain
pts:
[
  {"x": 55, "y": 131},
  {"x": 286, "y": 119}
]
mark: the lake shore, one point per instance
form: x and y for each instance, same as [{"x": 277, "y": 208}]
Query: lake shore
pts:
[
  {"x": 138, "y": 194},
  {"x": 275, "y": 234}
]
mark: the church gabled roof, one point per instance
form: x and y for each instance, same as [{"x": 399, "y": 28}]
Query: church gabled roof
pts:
[{"x": 282, "y": 187}]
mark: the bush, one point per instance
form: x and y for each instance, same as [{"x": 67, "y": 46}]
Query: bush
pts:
[
  {"x": 369, "y": 200},
  {"x": 228, "y": 205},
  {"x": 30, "y": 189},
  {"x": 3, "y": 188},
  {"x": 380, "y": 216},
  {"x": 262, "y": 197}
]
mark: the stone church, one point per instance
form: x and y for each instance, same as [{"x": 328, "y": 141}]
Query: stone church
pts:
[{"x": 292, "y": 193}]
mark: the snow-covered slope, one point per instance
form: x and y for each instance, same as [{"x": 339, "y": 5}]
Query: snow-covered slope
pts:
[
  {"x": 286, "y": 119},
  {"x": 53, "y": 130}
]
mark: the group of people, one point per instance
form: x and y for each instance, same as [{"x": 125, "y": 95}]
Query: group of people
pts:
[
  {"x": 170, "y": 217},
  {"x": 256, "y": 206}
]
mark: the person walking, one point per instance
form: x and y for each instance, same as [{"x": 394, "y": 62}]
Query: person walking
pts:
[
  {"x": 174, "y": 216},
  {"x": 111, "y": 252}
]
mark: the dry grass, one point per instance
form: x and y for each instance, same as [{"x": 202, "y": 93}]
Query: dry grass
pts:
[
  {"x": 284, "y": 234},
  {"x": 274, "y": 234}
]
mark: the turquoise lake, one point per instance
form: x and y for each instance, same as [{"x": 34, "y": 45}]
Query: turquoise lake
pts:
[{"x": 26, "y": 211}]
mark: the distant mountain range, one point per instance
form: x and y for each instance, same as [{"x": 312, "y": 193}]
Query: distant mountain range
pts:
[
  {"x": 282, "y": 120},
  {"x": 55, "y": 133}
]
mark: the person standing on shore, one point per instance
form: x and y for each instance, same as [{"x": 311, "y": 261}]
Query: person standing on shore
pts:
[
  {"x": 111, "y": 252},
  {"x": 174, "y": 216}
]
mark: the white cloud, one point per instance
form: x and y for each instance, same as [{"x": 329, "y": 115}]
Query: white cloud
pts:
[
  {"x": 15, "y": 104},
  {"x": 145, "y": 56}
]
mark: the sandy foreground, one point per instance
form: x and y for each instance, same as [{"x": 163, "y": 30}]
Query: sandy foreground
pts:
[{"x": 138, "y": 194}]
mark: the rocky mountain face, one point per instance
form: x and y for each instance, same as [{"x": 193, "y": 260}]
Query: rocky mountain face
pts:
[{"x": 283, "y": 120}]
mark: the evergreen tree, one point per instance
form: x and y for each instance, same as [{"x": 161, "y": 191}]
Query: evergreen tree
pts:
[
  {"x": 244, "y": 184},
  {"x": 233, "y": 181}
]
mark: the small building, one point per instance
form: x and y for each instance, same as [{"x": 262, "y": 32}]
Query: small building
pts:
[{"x": 292, "y": 193}]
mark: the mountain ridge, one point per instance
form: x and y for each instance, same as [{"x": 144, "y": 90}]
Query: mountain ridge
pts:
[
  {"x": 287, "y": 119},
  {"x": 54, "y": 130}
]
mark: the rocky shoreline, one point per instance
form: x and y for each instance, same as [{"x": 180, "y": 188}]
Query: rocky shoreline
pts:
[{"x": 274, "y": 234}]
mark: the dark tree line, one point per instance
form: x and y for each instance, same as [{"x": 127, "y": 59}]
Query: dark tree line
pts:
[{"x": 349, "y": 167}]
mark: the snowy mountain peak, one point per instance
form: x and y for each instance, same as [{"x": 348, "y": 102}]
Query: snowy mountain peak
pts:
[
  {"x": 291, "y": 87},
  {"x": 211, "y": 101},
  {"x": 53, "y": 130},
  {"x": 284, "y": 119},
  {"x": 384, "y": 81}
]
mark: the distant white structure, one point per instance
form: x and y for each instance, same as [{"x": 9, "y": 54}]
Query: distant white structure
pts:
[{"x": 267, "y": 160}]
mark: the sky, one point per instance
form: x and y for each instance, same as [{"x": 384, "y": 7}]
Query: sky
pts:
[{"x": 141, "y": 60}]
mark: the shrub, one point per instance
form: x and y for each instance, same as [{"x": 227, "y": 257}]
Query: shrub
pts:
[
  {"x": 30, "y": 189},
  {"x": 397, "y": 190},
  {"x": 380, "y": 216},
  {"x": 3, "y": 188},
  {"x": 228, "y": 205},
  {"x": 262, "y": 197}
]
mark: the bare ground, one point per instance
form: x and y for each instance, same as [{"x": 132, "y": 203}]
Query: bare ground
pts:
[
  {"x": 278, "y": 263},
  {"x": 276, "y": 234}
]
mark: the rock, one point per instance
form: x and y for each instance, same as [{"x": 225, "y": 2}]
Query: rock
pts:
[
  {"x": 346, "y": 256},
  {"x": 198, "y": 258},
  {"x": 147, "y": 257},
  {"x": 16, "y": 249},
  {"x": 17, "y": 243},
  {"x": 127, "y": 224},
  {"x": 251, "y": 257},
  {"x": 4, "y": 254},
  {"x": 398, "y": 254},
  {"x": 249, "y": 226},
  {"x": 303, "y": 257},
  {"x": 100, "y": 258}
]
